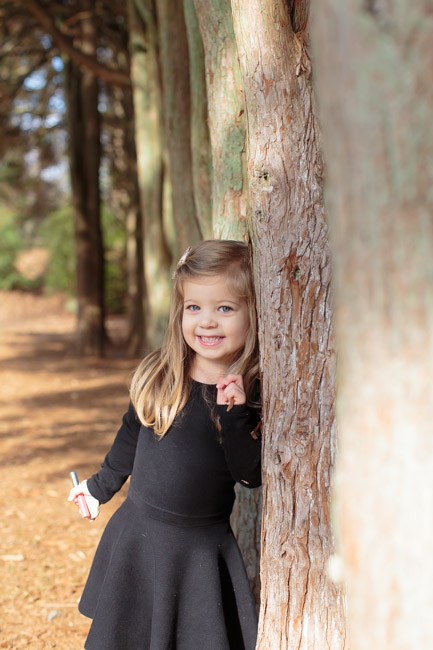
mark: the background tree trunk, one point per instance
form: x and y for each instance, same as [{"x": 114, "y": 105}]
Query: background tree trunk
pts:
[
  {"x": 246, "y": 522},
  {"x": 200, "y": 142},
  {"x": 375, "y": 83},
  {"x": 177, "y": 114},
  {"x": 84, "y": 147},
  {"x": 147, "y": 92},
  {"x": 138, "y": 305},
  {"x": 301, "y": 607},
  {"x": 226, "y": 118}
]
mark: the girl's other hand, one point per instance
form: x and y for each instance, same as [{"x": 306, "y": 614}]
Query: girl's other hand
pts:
[
  {"x": 231, "y": 390},
  {"x": 92, "y": 503}
]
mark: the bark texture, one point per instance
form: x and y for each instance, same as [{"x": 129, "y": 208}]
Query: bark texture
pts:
[
  {"x": 200, "y": 139},
  {"x": 147, "y": 92},
  {"x": 137, "y": 290},
  {"x": 177, "y": 111},
  {"x": 84, "y": 150},
  {"x": 301, "y": 608},
  {"x": 376, "y": 107},
  {"x": 226, "y": 118}
]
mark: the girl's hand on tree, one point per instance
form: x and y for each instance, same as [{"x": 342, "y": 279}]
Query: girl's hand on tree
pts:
[
  {"x": 92, "y": 503},
  {"x": 231, "y": 391}
]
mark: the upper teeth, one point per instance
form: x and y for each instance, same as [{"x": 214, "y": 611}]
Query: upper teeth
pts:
[{"x": 210, "y": 339}]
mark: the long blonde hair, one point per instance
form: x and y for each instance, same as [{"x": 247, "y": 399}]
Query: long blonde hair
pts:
[{"x": 161, "y": 384}]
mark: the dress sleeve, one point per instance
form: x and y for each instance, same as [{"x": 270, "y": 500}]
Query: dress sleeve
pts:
[
  {"x": 117, "y": 465},
  {"x": 241, "y": 448}
]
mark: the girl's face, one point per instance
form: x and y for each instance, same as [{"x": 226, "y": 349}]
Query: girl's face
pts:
[{"x": 214, "y": 322}]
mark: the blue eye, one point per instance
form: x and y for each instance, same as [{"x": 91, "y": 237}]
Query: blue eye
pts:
[
  {"x": 225, "y": 309},
  {"x": 193, "y": 308}
]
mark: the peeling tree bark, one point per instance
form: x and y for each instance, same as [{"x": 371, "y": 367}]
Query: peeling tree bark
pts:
[
  {"x": 301, "y": 608},
  {"x": 375, "y": 86}
]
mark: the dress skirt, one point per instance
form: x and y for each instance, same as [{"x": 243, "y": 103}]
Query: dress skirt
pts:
[{"x": 162, "y": 581}]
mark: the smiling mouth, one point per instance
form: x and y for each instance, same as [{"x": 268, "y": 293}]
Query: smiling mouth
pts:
[{"x": 210, "y": 340}]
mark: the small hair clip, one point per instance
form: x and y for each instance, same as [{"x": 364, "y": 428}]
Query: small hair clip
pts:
[{"x": 182, "y": 260}]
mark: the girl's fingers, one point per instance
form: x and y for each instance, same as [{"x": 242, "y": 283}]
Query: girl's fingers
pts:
[
  {"x": 230, "y": 379},
  {"x": 231, "y": 391},
  {"x": 92, "y": 503},
  {"x": 78, "y": 489},
  {"x": 73, "y": 494}
]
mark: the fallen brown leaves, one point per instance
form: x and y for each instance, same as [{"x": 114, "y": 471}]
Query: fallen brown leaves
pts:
[{"x": 57, "y": 413}]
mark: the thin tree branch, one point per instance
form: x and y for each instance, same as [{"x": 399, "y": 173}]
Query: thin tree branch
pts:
[
  {"x": 65, "y": 44},
  {"x": 17, "y": 83}
]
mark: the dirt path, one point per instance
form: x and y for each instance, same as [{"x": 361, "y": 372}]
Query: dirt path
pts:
[{"x": 57, "y": 413}]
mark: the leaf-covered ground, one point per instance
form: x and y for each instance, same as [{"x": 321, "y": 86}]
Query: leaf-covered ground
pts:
[{"x": 57, "y": 413}]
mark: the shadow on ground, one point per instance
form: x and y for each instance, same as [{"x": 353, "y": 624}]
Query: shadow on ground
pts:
[{"x": 57, "y": 413}]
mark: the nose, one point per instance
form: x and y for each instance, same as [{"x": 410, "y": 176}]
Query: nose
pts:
[{"x": 207, "y": 320}]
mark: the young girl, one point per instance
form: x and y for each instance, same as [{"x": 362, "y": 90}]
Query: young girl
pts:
[{"x": 167, "y": 574}]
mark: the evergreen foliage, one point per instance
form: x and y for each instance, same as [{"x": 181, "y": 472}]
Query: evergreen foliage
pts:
[
  {"x": 114, "y": 234},
  {"x": 56, "y": 233},
  {"x": 13, "y": 241},
  {"x": 35, "y": 201}
]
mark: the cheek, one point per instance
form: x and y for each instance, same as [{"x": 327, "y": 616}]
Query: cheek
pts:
[
  {"x": 184, "y": 327},
  {"x": 187, "y": 328},
  {"x": 246, "y": 323},
  {"x": 243, "y": 329}
]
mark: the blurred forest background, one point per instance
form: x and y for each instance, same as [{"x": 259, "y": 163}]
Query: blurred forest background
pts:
[
  {"x": 37, "y": 212},
  {"x": 76, "y": 204}
]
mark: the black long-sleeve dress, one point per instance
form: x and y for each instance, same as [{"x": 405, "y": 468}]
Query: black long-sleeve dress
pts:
[{"x": 168, "y": 574}]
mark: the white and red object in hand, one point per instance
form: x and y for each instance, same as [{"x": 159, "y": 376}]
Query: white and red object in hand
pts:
[{"x": 81, "y": 499}]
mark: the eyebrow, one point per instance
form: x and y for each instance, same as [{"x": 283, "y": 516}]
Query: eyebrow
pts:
[{"x": 221, "y": 302}]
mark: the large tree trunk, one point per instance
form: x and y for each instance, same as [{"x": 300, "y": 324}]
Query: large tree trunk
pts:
[
  {"x": 177, "y": 114},
  {"x": 146, "y": 79},
  {"x": 301, "y": 608},
  {"x": 84, "y": 151},
  {"x": 375, "y": 82},
  {"x": 226, "y": 118}
]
